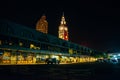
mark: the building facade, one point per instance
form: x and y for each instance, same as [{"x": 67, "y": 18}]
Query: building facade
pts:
[
  {"x": 63, "y": 29},
  {"x": 23, "y": 45}
]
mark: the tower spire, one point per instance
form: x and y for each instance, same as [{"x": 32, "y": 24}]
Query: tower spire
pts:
[
  {"x": 63, "y": 22},
  {"x": 63, "y": 14},
  {"x": 63, "y": 29}
]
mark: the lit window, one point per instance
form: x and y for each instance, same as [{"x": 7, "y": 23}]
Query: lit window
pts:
[
  {"x": 61, "y": 28},
  {"x": 66, "y": 28},
  {"x": 61, "y": 36},
  {"x": 31, "y": 45},
  {"x": 10, "y": 43},
  {"x": 37, "y": 47},
  {"x": 66, "y": 37},
  {"x": 20, "y": 44}
]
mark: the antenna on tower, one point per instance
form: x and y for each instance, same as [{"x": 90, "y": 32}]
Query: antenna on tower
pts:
[{"x": 63, "y": 14}]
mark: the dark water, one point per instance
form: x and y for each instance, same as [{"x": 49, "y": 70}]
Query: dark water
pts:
[{"x": 86, "y": 71}]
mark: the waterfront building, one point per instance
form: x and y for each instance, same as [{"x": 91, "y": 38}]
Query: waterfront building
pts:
[{"x": 22, "y": 45}]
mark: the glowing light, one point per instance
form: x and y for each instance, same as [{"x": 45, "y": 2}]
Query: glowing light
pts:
[
  {"x": 21, "y": 44},
  {"x": 70, "y": 51},
  {"x": 114, "y": 56},
  {"x": 10, "y": 43},
  {"x": 31, "y": 46},
  {"x": 66, "y": 28},
  {"x": 61, "y": 28},
  {"x": 118, "y": 54}
]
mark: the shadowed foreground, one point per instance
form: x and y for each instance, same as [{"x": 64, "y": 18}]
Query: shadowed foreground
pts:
[{"x": 85, "y": 71}]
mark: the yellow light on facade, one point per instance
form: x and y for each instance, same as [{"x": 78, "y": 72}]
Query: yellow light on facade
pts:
[
  {"x": 10, "y": 43},
  {"x": 61, "y": 36},
  {"x": 31, "y": 45},
  {"x": 70, "y": 51},
  {"x": 66, "y": 28},
  {"x": 61, "y": 28},
  {"x": 66, "y": 36},
  {"x": 20, "y": 44},
  {"x": 37, "y": 47}
]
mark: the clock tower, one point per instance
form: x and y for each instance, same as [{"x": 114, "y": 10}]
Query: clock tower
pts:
[{"x": 63, "y": 29}]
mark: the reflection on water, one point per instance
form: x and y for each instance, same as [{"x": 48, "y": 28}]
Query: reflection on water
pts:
[{"x": 88, "y": 71}]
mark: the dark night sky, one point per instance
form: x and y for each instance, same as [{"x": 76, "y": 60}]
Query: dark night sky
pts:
[{"x": 92, "y": 23}]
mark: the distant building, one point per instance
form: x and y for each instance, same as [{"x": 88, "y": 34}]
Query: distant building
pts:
[
  {"x": 63, "y": 29},
  {"x": 42, "y": 25}
]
